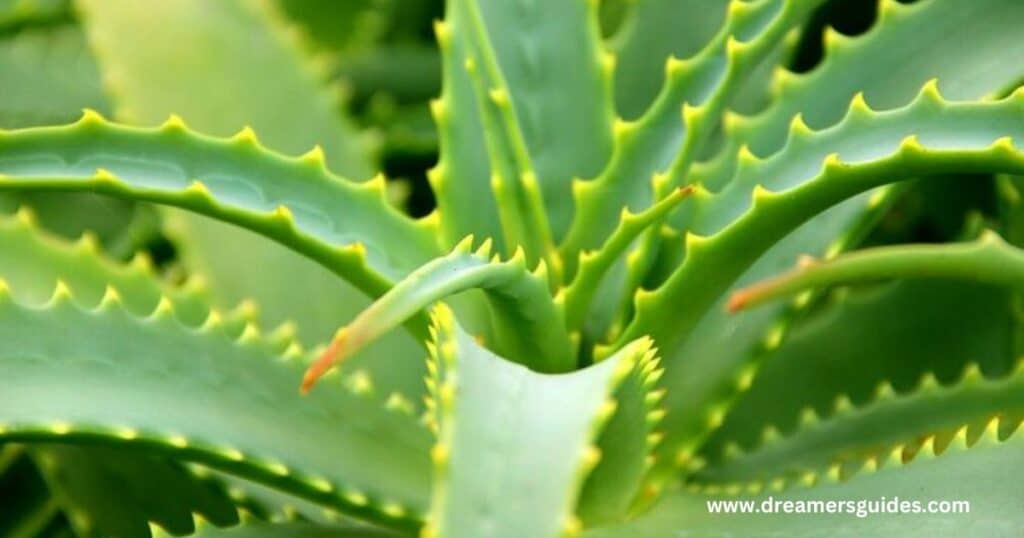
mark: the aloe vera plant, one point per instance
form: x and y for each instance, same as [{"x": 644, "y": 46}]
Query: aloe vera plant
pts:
[{"x": 592, "y": 333}]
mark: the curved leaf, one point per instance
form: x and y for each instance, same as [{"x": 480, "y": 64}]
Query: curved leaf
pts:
[
  {"x": 879, "y": 64},
  {"x": 540, "y": 430},
  {"x": 219, "y": 93},
  {"x": 653, "y": 31},
  {"x": 988, "y": 260},
  {"x": 201, "y": 395},
  {"x": 983, "y": 474},
  {"x": 658, "y": 141},
  {"x": 528, "y": 327},
  {"x": 348, "y": 228},
  {"x": 814, "y": 172},
  {"x": 852, "y": 433},
  {"x": 32, "y": 262},
  {"x": 858, "y": 339},
  {"x": 595, "y": 265}
]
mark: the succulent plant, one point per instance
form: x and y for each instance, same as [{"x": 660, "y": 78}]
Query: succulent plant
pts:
[{"x": 583, "y": 338}]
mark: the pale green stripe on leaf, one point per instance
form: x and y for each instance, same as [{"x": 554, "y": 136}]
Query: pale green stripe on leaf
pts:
[{"x": 347, "y": 227}]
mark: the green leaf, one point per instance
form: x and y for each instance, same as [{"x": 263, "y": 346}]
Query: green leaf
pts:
[
  {"x": 819, "y": 169},
  {"x": 851, "y": 64},
  {"x": 896, "y": 334},
  {"x": 33, "y": 261},
  {"x": 653, "y": 31},
  {"x": 108, "y": 492},
  {"x": 347, "y": 227},
  {"x": 241, "y": 41},
  {"x": 458, "y": 180},
  {"x": 809, "y": 176},
  {"x": 220, "y": 92},
  {"x": 983, "y": 475},
  {"x": 658, "y": 142},
  {"x": 595, "y": 265},
  {"x": 551, "y": 124},
  {"x": 529, "y": 328},
  {"x": 850, "y": 434},
  {"x": 881, "y": 65},
  {"x": 540, "y": 430},
  {"x": 513, "y": 178},
  {"x": 987, "y": 260},
  {"x": 202, "y": 395}
]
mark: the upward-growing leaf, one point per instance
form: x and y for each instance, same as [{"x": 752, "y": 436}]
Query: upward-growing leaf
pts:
[
  {"x": 528, "y": 483},
  {"x": 647, "y": 147},
  {"x": 653, "y": 31},
  {"x": 960, "y": 136},
  {"x": 564, "y": 115}
]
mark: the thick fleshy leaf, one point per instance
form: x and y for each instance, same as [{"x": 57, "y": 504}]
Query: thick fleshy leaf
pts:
[
  {"x": 983, "y": 475},
  {"x": 653, "y": 31},
  {"x": 988, "y": 260},
  {"x": 541, "y": 432},
  {"x": 659, "y": 142},
  {"x": 895, "y": 334},
  {"x": 219, "y": 84},
  {"x": 347, "y": 227},
  {"x": 529, "y": 328},
  {"x": 203, "y": 395},
  {"x": 741, "y": 222},
  {"x": 554, "y": 124},
  {"x": 849, "y": 434}
]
